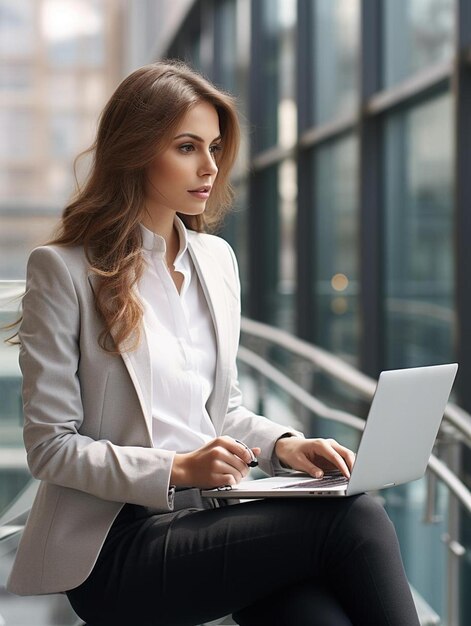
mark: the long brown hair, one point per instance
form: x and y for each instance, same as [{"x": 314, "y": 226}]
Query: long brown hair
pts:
[{"x": 138, "y": 121}]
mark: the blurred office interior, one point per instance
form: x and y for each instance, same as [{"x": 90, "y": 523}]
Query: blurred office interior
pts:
[{"x": 351, "y": 221}]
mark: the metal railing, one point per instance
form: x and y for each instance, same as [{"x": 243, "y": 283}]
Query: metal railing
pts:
[
  {"x": 349, "y": 376},
  {"x": 456, "y": 425}
]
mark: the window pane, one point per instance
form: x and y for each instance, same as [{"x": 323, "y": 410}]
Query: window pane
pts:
[
  {"x": 63, "y": 90},
  {"x": 267, "y": 254},
  {"x": 64, "y": 135},
  {"x": 417, "y": 33},
  {"x": 335, "y": 54},
  {"x": 231, "y": 63},
  {"x": 72, "y": 90},
  {"x": 18, "y": 183},
  {"x": 237, "y": 234},
  {"x": 17, "y": 132},
  {"x": 93, "y": 91},
  {"x": 277, "y": 75},
  {"x": 335, "y": 240},
  {"x": 276, "y": 191},
  {"x": 93, "y": 41},
  {"x": 73, "y": 32},
  {"x": 287, "y": 195},
  {"x": 16, "y": 28},
  {"x": 16, "y": 77},
  {"x": 419, "y": 275},
  {"x": 225, "y": 57},
  {"x": 49, "y": 108}
]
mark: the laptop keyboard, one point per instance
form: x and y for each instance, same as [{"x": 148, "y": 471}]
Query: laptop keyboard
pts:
[{"x": 329, "y": 480}]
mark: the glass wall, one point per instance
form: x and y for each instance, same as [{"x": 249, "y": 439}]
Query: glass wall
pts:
[
  {"x": 335, "y": 242},
  {"x": 231, "y": 71},
  {"x": 419, "y": 272},
  {"x": 334, "y": 48},
  {"x": 231, "y": 68},
  {"x": 226, "y": 35},
  {"x": 275, "y": 74},
  {"x": 264, "y": 241},
  {"x": 13, "y": 470},
  {"x": 236, "y": 232},
  {"x": 416, "y": 35},
  {"x": 286, "y": 286},
  {"x": 423, "y": 549}
]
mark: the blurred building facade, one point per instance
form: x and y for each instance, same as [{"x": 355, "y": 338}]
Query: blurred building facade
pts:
[{"x": 59, "y": 61}]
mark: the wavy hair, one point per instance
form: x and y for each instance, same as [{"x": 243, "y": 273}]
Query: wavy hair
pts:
[{"x": 138, "y": 122}]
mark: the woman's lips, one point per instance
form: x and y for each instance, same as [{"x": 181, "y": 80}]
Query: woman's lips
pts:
[{"x": 201, "y": 194}]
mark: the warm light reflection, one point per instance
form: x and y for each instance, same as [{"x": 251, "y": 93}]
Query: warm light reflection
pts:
[
  {"x": 339, "y": 305},
  {"x": 339, "y": 282}
]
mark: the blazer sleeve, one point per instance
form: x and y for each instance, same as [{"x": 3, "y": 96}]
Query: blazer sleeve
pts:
[
  {"x": 53, "y": 412},
  {"x": 241, "y": 423}
]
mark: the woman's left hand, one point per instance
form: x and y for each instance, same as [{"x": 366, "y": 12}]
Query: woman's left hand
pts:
[{"x": 313, "y": 456}]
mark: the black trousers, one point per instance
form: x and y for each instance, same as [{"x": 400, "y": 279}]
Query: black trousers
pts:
[{"x": 273, "y": 562}]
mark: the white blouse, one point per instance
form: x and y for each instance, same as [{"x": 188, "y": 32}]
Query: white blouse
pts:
[{"x": 182, "y": 345}]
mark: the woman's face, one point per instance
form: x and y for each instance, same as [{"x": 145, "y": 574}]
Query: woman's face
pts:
[{"x": 180, "y": 178}]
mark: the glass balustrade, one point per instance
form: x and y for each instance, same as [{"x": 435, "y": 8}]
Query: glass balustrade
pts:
[
  {"x": 14, "y": 474},
  {"x": 432, "y": 526}
]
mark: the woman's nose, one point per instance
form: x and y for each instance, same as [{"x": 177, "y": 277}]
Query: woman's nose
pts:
[{"x": 208, "y": 167}]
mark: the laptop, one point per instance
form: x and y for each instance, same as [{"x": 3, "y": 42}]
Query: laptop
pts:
[{"x": 395, "y": 446}]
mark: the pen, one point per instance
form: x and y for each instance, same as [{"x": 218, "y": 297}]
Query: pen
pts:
[{"x": 253, "y": 462}]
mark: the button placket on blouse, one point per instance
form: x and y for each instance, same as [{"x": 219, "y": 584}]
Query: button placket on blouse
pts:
[
  {"x": 170, "y": 318},
  {"x": 180, "y": 325},
  {"x": 182, "y": 320}
]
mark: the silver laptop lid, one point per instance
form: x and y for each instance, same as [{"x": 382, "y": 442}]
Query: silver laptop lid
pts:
[{"x": 402, "y": 425}]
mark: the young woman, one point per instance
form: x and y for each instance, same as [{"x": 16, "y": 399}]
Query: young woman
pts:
[{"x": 128, "y": 349}]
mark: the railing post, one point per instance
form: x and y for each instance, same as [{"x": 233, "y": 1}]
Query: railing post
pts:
[
  {"x": 451, "y": 440},
  {"x": 430, "y": 513}
]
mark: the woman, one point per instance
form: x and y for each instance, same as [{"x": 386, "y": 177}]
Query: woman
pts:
[{"x": 128, "y": 348}]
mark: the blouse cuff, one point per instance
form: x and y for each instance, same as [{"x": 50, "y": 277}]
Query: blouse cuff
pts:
[{"x": 278, "y": 465}]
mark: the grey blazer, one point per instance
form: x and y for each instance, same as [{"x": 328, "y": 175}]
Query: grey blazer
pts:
[{"x": 87, "y": 431}]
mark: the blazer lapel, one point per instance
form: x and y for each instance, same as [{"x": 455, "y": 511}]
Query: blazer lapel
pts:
[
  {"x": 212, "y": 283},
  {"x": 138, "y": 364}
]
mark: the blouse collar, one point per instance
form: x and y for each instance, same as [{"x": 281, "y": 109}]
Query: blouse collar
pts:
[{"x": 154, "y": 243}]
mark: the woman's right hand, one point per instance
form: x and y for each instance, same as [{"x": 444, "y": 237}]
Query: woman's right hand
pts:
[{"x": 222, "y": 461}]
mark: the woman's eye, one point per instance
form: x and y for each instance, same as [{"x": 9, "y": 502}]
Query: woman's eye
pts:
[
  {"x": 216, "y": 148},
  {"x": 187, "y": 147}
]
